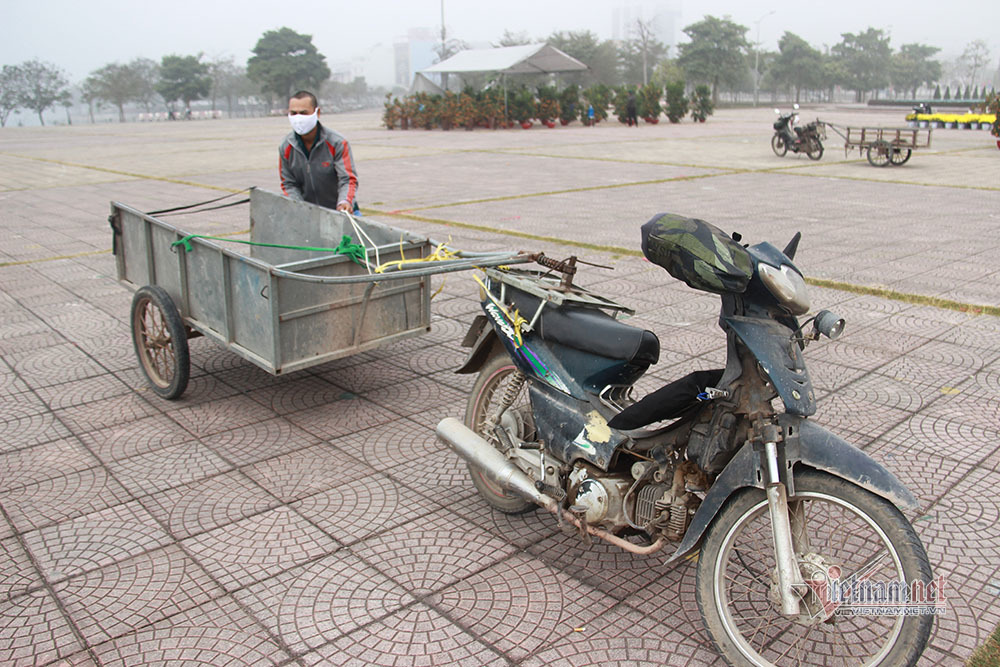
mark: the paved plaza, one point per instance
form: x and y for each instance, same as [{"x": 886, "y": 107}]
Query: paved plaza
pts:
[{"x": 313, "y": 518}]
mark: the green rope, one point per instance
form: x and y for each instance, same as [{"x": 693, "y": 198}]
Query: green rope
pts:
[{"x": 353, "y": 250}]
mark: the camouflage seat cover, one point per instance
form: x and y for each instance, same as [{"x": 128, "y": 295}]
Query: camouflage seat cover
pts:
[{"x": 697, "y": 252}]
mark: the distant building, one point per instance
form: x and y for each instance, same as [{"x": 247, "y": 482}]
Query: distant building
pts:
[
  {"x": 663, "y": 15},
  {"x": 413, "y": 53}
]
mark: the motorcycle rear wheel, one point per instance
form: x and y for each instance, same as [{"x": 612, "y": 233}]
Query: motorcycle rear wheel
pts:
[
  {"x": 815, "y": 149},
  {"x": 778, "y": 145},
  {"x": 495, "y": 376},
  {"x": 843, "y": 526}
]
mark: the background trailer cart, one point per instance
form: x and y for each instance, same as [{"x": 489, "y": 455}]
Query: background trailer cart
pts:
[
  {"x": 884, "y": 145},
  {"x": 282, "y": 309}
]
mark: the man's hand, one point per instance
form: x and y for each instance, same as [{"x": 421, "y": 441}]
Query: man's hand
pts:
[{"x": 344, "y": 206}]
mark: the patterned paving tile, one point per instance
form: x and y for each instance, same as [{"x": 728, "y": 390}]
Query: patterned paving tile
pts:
[
  {"x": 17, "y": 573},
  {"x": 94, "y": 541},
  {"x": 350, "y": 413},
  {"x": 965, "y": 524},
  {"x": 521, "y": 530},
  {"x": 441, "y": 476},
  {"x": 960, "y": 441},
  {"x": 389, "y": 445},
  {"x": 60, "y": 498},
  {"x": 135, "y": 593},
  {"x": 217, "y": 633},
  {"x": 41, "y": 462},
  {"x": 45, "y": 366},
  {"x": 202, "y": 506},
  {"x": 33, "y": 631},
  {"x": 520, "y": 605},
  {"x": 258, "y": 547},
  {"x": 21, "y": 431},
  {"x": 317, "y": 603},
  {"x": 436, "y": 552},
  {"x": 88, "y": 390},
  {"x": 302, "y": 473},
  {"x": 414, "y": 636},
  {"x": 133, "y": 438},
  {"x": 610, "y": 569},
  {"x": 167, "y": 467},
  {"x": 301, "y": 394},
  {"x": 105, "y": 413},
  {"x": 927, "y": 475},
  {"x": 259, "y": 441},
  {"x": 431, "y": 399},
  {"x": 219, "y": 415},
  {"x": 625, "y": 637},
  {"x": 363, "y": 507}
]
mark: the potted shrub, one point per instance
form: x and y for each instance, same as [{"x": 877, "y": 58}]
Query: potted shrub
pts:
[
  {"x": 569, "y": 103},
  {"x": 702, "y": 107},
  {"x": 447, "y": 110},
  {"x": 392, "y": 113},
  {"x": 548, "y": 105},
  {"x": 522, "y": 107},
  {"x": 598, "y": 96},
  {"x": 649, "y": 103},
  {"x": 620, "y": 103},
  {"x": 677, "y": 104}
]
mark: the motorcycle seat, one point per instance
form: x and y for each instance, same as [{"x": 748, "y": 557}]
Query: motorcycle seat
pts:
[{"x": 592, "y": 330}]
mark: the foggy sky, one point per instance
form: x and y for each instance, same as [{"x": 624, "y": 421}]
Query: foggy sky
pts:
[{"x": 81, "y": 36}]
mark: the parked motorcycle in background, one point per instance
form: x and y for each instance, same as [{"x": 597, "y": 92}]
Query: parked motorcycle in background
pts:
[
  {"x": 790, "y": 522},
  {"x": 790, "y": 137}
]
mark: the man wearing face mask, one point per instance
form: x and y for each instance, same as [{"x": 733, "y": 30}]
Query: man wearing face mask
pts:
[{"x": 316, "y": 162}]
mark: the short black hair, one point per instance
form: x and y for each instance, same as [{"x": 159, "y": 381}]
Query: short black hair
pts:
[{"x": 303, "y": 94}]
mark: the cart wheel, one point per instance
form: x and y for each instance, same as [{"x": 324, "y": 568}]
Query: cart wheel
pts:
[
  {"x": 899, "y": 156},
  {"x": 878, "y": 154},
  {"x": 160, "y": 341},
  {"x": 778, "y": 145}
]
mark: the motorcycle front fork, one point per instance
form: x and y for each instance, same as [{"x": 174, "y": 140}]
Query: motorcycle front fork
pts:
[{"x": 790, "y": 582}]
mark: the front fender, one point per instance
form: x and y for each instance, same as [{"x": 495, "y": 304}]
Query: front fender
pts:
[
  {"x": 807, "y": 444},
  {"x": 481, "y": 338}
]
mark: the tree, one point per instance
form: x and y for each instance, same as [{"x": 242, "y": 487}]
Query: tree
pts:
[
  {"x": 11, "y": 82},
  {"x": 42, "y": 85},
  {"x": 912, "y": 66},
  {"x": 513, "y": 39},
  {"x": 115, "y": 84},
  {"x": 866, "y": 59},
  {"x": 639, "y": 55},
  {"x": 715, "y": 54},
  {"x": 600, "y": 57},
  {"x": 975, "y": 58},
  {"x": 798, "y": 65},
  {"x": 183, "y": 78},
  {"x": 228, "y": 81},
  {"x": 285, "y": 61}
]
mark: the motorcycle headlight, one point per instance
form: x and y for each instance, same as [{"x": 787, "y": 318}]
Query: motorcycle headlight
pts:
[{"x": 787, "y": 286}]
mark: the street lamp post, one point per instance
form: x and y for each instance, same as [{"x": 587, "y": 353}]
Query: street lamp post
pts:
[{"x": 756, "y": 59}]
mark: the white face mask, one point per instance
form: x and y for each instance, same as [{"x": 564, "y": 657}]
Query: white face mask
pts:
[{"x": 303, "y": 124}]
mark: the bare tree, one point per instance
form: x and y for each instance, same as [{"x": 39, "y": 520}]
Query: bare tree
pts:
[
  {"x": 975, "y": 59},
  {"x": 647, "y": 43}
]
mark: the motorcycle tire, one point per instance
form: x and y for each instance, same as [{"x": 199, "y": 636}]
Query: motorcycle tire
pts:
[
  {"x": 778, "y": 145},
  {"x": 487, "y": 391},
  {"x": 736, "y": 577},
  {"x": 815, "y": 150}
]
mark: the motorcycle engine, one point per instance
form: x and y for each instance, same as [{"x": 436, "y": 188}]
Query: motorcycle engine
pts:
[{"x": 598, "y": 496}]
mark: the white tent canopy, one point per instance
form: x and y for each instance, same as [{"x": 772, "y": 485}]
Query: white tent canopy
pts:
[{"x": 526, "y": 59}]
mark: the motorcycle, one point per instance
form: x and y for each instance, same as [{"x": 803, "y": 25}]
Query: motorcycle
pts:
[
  {"x": 789, "y": 520},
  {"x": 790, "y": 137}
]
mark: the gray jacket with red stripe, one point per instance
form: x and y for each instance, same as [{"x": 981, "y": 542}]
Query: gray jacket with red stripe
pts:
[{"x": 326, "y": 176}]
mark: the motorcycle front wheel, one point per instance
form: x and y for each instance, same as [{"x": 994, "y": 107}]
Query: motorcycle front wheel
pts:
[
  {"x": 496, "y": 378},
  {"x": 778, "y": 145},
  {"x": 840, "y": 531},
  {"x": 815, "y": 149}
]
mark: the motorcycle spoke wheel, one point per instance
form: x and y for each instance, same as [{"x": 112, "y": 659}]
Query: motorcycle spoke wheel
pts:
[
  {"x": 778, "y": 145},
  {"x": 815, "y": 151},
  {"x": 487, "y": 392},
  {"x": 844, "y": 527}
]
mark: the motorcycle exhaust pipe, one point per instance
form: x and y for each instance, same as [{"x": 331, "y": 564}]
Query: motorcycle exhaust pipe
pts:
[{"x": 479, "y": 453}]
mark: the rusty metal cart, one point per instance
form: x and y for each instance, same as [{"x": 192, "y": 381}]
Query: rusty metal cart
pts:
[
  {"x": 281, "y": 308},
  {"x": 884, "y": 145}
]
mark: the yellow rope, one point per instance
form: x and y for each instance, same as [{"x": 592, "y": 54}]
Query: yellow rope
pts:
[
  {"x": 441, "y": 253},
  {"x": 515, "y": 318}
]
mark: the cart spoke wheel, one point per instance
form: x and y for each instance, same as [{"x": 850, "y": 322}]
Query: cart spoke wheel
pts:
[
  {"x": 899, "y": 155},
  {"x": 879, "y": 154},
  {"x": 160, "y": 342}
]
